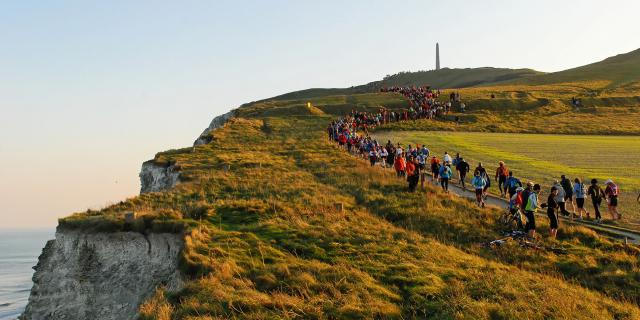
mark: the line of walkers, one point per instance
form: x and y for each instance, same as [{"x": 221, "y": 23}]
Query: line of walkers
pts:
[{"x": 416, "y": 163}]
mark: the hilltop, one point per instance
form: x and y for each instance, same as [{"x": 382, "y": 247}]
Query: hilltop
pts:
[{"x": 619, "y": 70}]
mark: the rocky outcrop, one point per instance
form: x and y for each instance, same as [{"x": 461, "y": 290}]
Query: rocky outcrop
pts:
[
  {"x": 217, "y": 122},
  {"x": 102, "y": 275},
  {"x": 155, "y": 177}
]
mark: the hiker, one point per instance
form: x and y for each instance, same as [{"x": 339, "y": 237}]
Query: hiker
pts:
[
  {"x": 568, "y": 192},
  {"x": 422, "y": 165},
  {"x": 435, "y": 168},
  {"x": 531, "y": 206},
  {"x": 515, "y": 203},
  {"x": 383, "y": 157},
  {"x": 512, "y": 184},
  {"x": 485, "y": 176},
  {"x": 446, "y": 159},
  {"x": 579, "y": 190},
  {"x": 373, "y": 156},
  {"x": 560, "y": 196},
  {"x": 400, "y": 165},
  {"x": 391, "y": 156},
  {"x": 611, "y": 192},
  {"x": 478, "y": 184},
  {"x": 502, "y": 172},
  {"x": 462, "y": 167},
  {"x": 445, "y": 174},
  {"x": 412, "y": 174},
  {"x": 552, "y": 205},
  {"x": 596, "y": 194}
]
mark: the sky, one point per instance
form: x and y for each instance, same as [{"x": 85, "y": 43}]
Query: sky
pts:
[{"x": 91, "y": 89}]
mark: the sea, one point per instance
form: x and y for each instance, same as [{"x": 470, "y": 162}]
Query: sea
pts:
[{"x": 19, "y": 251}]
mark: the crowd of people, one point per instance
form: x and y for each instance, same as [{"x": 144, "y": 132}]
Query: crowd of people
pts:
[
  {"x": 417, "y": 163},
  {"x": 424, "y": 103}
]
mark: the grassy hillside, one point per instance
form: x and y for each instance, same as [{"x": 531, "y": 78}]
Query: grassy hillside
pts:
[
  {"x": 618, "y": 70},
  {"x": 264, "y": 240},
  {"x": 455, "y": 78}
]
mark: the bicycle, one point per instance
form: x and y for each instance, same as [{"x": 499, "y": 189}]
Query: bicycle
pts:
[{"x": 512, "y": 219}]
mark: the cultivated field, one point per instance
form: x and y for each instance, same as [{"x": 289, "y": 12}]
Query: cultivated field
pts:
[{"x": 543, "y": 158}]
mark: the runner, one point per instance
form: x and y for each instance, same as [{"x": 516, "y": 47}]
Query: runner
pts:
[
  {"x": 611, "y": 191},
  {"x": 596, "y": 194},
  {"x": 446, "y": 159},
  {"x": 485, "y": 176},
  {"x": 400, "y": 165},
  {"x": 383, "y": 157},
  {"x": 478, "y": 184},
  {"x": 531, "y": 206},
  {"x": 568, "y": 192},
  {"x": 411, "y": 173},
  {"x": 552, "y": 205},
  {"x": 512, "y": 184},
  {"x": 422, "y": 164},
  {"x": 580, "y": 191},
  {"x": 435, "y": 169},
  {"x": 560, "y": 196},
  {"x": 373, "y": 156},
  {"x": 445, "y": 175},
  {"x": 463, "y": 169},
  {"x": 502, "y": 172}
]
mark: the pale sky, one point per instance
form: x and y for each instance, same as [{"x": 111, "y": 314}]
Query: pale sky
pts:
[{"x": 91, "y": 89}]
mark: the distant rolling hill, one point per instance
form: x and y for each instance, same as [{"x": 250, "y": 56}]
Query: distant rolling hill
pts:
[{"x": 620, "y": 70}]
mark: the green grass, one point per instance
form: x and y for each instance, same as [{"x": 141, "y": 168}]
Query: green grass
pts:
[
  {"x": 271, "y": 244},
  {"x": 543, "y": 158}
]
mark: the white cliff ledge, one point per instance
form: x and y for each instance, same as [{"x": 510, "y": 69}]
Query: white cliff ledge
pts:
[
  {"x": 155, "y": 177},
  {"x": 83, "y": 275}
]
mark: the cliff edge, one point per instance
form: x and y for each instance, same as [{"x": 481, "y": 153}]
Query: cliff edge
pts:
[{"x": 102, "y": 275}]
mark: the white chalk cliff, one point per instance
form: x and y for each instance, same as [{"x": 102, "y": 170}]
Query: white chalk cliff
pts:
[{"x": 102, "y": 275}]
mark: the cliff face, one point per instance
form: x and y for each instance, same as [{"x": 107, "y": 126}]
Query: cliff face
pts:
[
  {"x": 217, "y": 122},
  {"x": 154, "y": 177},
  {"x": 102, "y": 275}
]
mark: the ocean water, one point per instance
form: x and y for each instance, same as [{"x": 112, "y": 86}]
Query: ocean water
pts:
[{"x": 19, "y": 251}]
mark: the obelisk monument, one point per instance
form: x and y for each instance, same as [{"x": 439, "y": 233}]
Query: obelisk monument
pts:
[{"x": 437, "y": 56}]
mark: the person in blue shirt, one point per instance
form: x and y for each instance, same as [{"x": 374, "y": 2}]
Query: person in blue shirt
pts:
[
  {"x": 580, "y": 193},
  {"x": 445, "y": 174},
  {"x": 512, "y": 184},
  {"x": 478, "y": 184}
]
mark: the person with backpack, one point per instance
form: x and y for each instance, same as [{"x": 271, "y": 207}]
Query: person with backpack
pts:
[
  {"x": 483, "y": 174},
  {"x": 435, "y": 169},
  {"x": 515, "y": 203},
  {"x": 502, "y": 172},
  {"x": 463, "y": 168},
  {"x": 400, "y": 165},
  {"x": 373, "y": 156},
  {"x": 597, "y": 195},
  {"x": 552, "y": 205},
  {"x": 611, "y": 192},
  {"x": 512, "y": 184},
  {"x": 530, "y": 209},
  {"x": 560, "y": 196},
  {"x": 568, "y": 192},
  {"x": 478, "y": 184},
  {"x": 445, "y": 174},
  {"x": 446, "y": 159},
  {"x": 579, "y": 190},
  {"x": 412, "y": 174}
]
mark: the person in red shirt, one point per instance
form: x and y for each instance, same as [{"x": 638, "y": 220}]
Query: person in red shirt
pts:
[{"x": 400, "y": 165}]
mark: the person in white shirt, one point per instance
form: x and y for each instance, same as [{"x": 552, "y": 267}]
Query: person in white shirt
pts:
[
  {"x": 447, "y": 158},
  {"x": 383, "y": 156}
]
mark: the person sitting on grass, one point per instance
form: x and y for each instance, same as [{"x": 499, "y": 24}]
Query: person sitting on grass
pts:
[
  {"x": 478, "y": 184},
  {"x": 611, "y": 192}
]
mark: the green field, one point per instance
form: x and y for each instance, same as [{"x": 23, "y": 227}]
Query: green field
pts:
[{"x": 543, "y": 158}]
